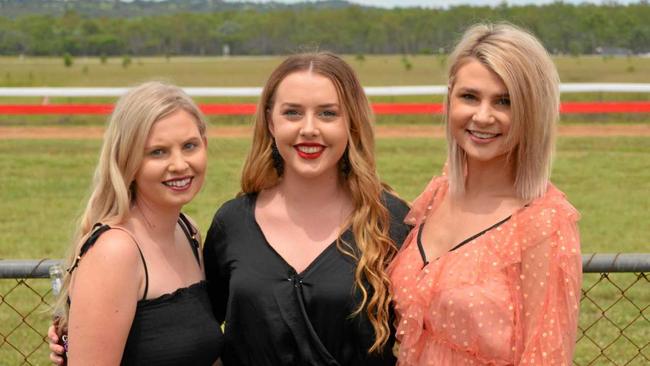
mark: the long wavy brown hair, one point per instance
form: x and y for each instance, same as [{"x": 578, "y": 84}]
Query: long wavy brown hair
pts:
[{"x": 370, "y": 219}]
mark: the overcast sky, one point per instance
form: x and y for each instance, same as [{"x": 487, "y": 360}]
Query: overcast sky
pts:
[{"x": 444, "y": 3}]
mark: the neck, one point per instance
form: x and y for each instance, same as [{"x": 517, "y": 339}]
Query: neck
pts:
[
  {"x": 493, "y": 178},
  {"x": 159, "y": 222},
  {"x": 311, "y": 192}
]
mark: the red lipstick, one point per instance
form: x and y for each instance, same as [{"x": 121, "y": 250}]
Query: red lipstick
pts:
[{"x": 309, "y": 150}]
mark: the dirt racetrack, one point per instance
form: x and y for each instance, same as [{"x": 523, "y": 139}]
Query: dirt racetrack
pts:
[{"x": 11, "y": 132}]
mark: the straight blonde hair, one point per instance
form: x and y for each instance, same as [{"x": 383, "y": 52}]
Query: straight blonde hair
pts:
[
  {"x": 370, "y": 220},
  {"x": 531, "y": 78},
  {"x": 112, "y": 191}
]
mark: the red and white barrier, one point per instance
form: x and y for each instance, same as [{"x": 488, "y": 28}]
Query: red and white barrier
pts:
[
  {"x": 379, "y": 108},
  {"x": 247, "y": 108},
  {"x": 256, "y": 91}
]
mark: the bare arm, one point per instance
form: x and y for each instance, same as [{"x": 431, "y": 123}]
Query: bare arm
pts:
[{"x": 104, "y": 294}]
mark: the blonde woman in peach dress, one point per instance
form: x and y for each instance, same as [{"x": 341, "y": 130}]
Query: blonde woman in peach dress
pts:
[{"x": 491, "y": 272}]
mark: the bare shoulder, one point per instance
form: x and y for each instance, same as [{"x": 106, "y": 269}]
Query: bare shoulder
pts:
[
  {"x": 116, "y": 243},
  {"x": 114, "y": 251},
  {"x": 109, "y": 267}
]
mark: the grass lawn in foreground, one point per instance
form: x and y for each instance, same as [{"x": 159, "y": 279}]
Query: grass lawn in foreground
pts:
[{"x": 45, "y": 182}]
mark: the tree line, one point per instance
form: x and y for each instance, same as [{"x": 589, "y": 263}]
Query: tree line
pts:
[{"x": 339, "y": 27}]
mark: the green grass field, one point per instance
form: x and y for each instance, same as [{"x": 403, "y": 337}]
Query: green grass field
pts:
[
  {"x": 45, "y": 182},
  {"x": 252, "y": 71}
]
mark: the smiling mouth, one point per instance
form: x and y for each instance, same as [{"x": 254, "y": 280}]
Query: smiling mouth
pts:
[
  {"x": 483, "y": 135},
  {"x": 178, "y": 184},
  {"x": 309, "y": 151}
]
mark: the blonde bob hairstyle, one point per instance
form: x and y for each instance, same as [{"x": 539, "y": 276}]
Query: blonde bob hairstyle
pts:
[
  {"x": 370, "y": 220},
  {"x": 531, "y": 78},
  {"x": 112, "y": 191}
]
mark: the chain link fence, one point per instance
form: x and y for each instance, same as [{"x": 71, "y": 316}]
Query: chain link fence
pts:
[{"x": 614, "y": 325}]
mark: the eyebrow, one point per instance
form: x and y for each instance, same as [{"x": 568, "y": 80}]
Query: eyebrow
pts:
[
  {"x": 297, "y": 105},
  {"x": 475, "y": 91},
  {"x": 468, "y": 90},
  {"x": 162, "y": 145}
]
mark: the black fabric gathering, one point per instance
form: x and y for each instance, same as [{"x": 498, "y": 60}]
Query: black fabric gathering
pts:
[
  {"x": 174, "y": 329},
  {"x": 275, "y": 316}
]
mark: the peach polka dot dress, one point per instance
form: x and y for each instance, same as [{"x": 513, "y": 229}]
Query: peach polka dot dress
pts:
[{"x": 509, "y": 296}]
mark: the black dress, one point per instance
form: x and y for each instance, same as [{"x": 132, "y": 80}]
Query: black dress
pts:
[
  {"x": 173, "y": 329},
  {"x": 275, "y": 316}
]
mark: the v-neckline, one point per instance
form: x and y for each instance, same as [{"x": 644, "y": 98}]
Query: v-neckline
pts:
[
  {"x": 314, "y": 262},
  {"x": 423, "y": 254}
]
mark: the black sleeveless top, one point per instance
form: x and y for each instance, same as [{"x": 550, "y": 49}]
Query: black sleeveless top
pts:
[{"x": 178, "y": 328}]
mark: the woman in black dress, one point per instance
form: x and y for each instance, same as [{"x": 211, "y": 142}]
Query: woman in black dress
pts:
[
  {"x": 296, "y": 263},
  {"x": 134, "y": 293}
]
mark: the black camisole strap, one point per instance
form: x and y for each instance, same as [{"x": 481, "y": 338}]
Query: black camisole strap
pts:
[
  {"x": 146, "y": 273},
  {"x": 99, "y": 229},
  {"x": 144, "y": 262},
  {"x": 421, "y": 246},
  {"x": 190, "y": 233}
]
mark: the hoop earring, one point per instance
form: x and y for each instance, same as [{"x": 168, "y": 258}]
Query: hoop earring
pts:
[
  {"x": 344, "y": 164},
  {"x": 278, "y": 163}
]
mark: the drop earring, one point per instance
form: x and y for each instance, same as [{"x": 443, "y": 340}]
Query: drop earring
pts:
[
  {"x": 344, "y": 164},
  {"x": 278, "y": 163}
]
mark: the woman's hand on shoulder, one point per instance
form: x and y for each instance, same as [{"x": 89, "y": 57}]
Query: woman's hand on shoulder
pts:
[{"x": 105, "y": 290}]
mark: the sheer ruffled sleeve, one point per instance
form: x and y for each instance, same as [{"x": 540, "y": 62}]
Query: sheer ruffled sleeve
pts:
[
  {"x": 547, "y": 287},
  {"x": 425, "y": 200}
]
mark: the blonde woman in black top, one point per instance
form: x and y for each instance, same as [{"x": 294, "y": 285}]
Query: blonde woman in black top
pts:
[{"x": 135, "y": 290}]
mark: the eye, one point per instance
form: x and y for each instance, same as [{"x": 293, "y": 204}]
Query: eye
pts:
[
  {"x": 503, "y": 101},
  {"x": 329, "y": 114},
  {"x": 190, "y": 146},
  {"x": 291, "y": 113},
  {"x": 467, "y": 96},
  {"x": 156, "y": 153}
]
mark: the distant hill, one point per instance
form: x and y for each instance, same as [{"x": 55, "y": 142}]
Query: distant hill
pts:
[
  {"x": 139, "y": 8},
  {"x": 215, "y": 27}
]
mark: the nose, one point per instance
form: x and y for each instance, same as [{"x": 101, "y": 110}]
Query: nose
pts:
[
  {"x": 177, "y": 162},
  {"x": 309, "y": 126},
  {"x": 483, "y": 114}
]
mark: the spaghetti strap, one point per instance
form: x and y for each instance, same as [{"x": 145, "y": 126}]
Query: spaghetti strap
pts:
[
  {"x": 99, "y": 229},
  {"x": 190, "y": 232},
  {"x": 96, "y": 231},
  {"x": 144, "y": 263}
]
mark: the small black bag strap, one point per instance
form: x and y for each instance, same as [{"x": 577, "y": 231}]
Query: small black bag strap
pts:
[
  {"x": 97, "y": 230},
  {"x": 191, "y": 234}
]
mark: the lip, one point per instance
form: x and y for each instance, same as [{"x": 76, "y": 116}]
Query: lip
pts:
[
  {"x": 179, "y": 188},
  {"x": 318, "y": 150},
  {"x": 482, "y": 140}
]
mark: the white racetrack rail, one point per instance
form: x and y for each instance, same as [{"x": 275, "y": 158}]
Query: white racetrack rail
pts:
[{"x": 255, "y": 92}]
